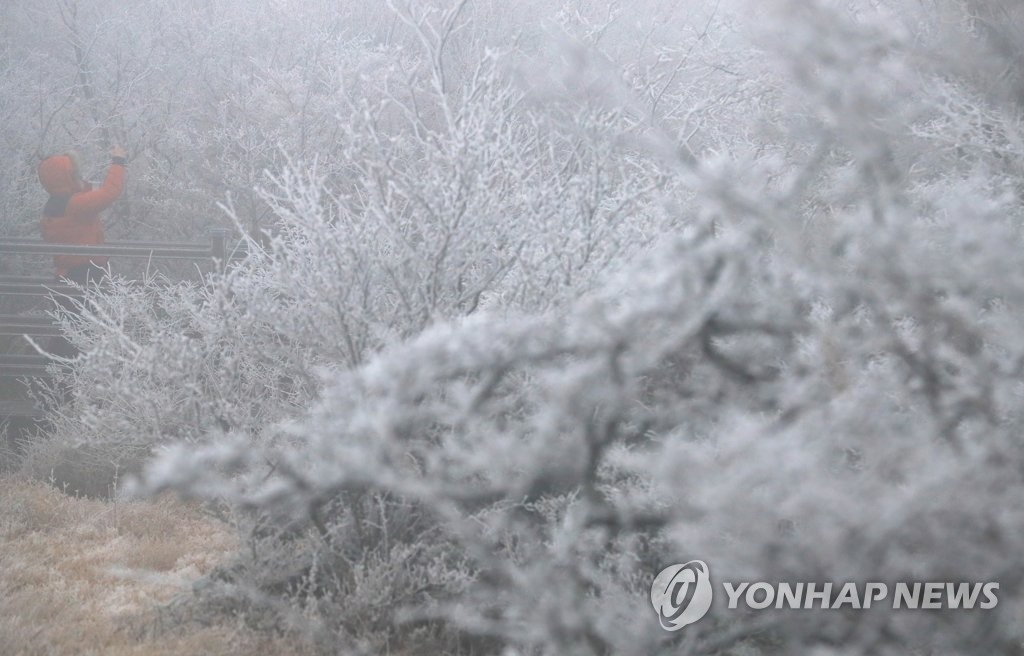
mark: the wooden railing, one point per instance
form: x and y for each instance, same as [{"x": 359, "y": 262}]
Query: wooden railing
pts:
[
  {"x": 19, "y": 365},
  {"x": 118, "y": 249}
]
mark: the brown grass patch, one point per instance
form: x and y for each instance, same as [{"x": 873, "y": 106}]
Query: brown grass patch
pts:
[{"x": 82, "y": 576}]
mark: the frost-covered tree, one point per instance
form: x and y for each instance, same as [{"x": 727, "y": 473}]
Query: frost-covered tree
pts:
[{"x": 445, "y": 194}]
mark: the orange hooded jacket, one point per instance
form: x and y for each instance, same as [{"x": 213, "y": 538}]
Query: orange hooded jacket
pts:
[{"x": 72, "y": 215}]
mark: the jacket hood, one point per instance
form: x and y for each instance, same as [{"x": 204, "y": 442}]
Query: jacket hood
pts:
[{"x": 59, "y": 175}]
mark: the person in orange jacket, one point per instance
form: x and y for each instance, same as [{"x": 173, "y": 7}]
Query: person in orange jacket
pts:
[
  {"x": 72, "y": 213},
  {"x": 72, "y": 216}
]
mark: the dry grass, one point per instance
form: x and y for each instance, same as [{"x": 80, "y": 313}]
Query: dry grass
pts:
[{"x": 82, "y": 576}]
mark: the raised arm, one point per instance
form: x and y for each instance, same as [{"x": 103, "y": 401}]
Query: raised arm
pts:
[{"x": 89, "y": 203}]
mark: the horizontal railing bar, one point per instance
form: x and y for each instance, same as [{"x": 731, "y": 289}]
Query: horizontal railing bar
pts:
[
  {"x": 21, "y": 320},
  {"x": 31, "y": 331},
  {"x": 107, "y": 250},
  {"x": 36, "y": 279},
  {"x": 147, "y": 244},
  {"x": 38, "y": 289},
  {"x": 47, "y": 286},
  {"x": 50, "y": 281},
  {"x": 23, "y": 371},
  {"x": 23, "y": 358},
  {"x": 18, "y": 365},
  {"x": 122, "y": 249},
  {"x": 39, "y": 326},
  {"x": 183, "y": 244}
]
